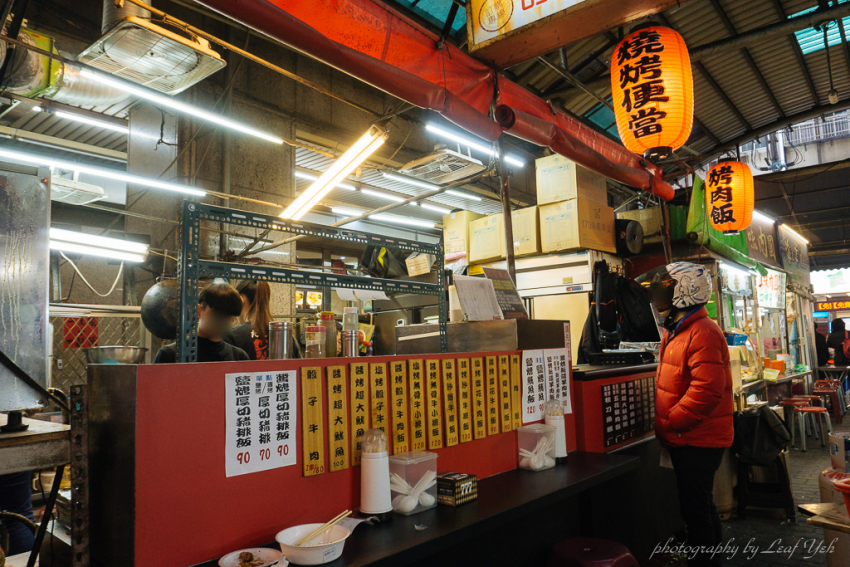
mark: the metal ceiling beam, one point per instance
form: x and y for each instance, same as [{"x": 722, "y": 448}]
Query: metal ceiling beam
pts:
[
  {"x": 612, "y": 41},
  {"x": 783, "y": 122},
  {"x": 759, "y": 35},
  {"x": 730, "y": 27},
  {"x": 798, "y": 52},
  {"x": 720, "y": 92}
]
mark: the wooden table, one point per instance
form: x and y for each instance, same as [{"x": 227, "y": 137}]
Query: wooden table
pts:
[
  {"x": 831, "y": 517},
  {"x": 44, "y": 445}
]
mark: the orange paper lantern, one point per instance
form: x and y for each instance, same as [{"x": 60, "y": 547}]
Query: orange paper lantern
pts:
[
  {"x": 729, "y": 196},
  {"x": 653, "y": 91}
]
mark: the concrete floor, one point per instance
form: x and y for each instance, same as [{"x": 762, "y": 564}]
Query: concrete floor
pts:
[{"x": 767, "y": 530}]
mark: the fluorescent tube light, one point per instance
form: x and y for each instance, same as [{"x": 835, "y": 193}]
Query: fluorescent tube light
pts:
[
  {"x": 795, "y": 233},
  {"x": 59, "y": 234},
  {"x": 762, "y": 216},
  {"x": 401, "y": 220},
  {"x": 311, "y": 177},
  {"x": 339, "y": 170},
  {"x": 436, "y": 208},
  {"x": 93, "y": 245},
  {"x": 92, "y": 122},
  {"x": 345, "y": 211},
  {"x": 730, "y": 268},
  {"x": 382, "y": 195},
  {"x": 472, "y": 144},
  {"x": 463, "y": 195},
  {"x": 177, "y": 105},
  {"x": 37, "y": 159}
]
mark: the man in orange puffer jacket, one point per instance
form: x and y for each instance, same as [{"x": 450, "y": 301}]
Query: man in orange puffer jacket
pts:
[{"x": 693, "y": 397}]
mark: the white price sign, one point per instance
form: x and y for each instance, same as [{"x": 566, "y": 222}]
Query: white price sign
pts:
[
  {"x": 260, "y": 411},
  {"x": 533, "y": 385},
  {"x": 558, "y": 377}
]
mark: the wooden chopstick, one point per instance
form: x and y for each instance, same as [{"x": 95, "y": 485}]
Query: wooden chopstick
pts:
[{"x": 324, "y": 527}]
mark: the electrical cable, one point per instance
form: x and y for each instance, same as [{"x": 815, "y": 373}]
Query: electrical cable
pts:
[{"x": 85, "y": 281}]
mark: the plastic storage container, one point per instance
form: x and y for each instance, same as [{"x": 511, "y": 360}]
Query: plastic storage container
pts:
[
  {"x": 536, "y": 447},
  {"x": 375, "y": 474},
  {"x": 413, "y": 481},
  {"x": 349, "y": 319},
  {"x": 314, "y": 339}
]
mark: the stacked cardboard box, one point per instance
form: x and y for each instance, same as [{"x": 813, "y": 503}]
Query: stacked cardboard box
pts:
[
  {"x": 487, "y": 239},
  {"x": 456, "y": 231},
  {"x": 573, "y": 204}
]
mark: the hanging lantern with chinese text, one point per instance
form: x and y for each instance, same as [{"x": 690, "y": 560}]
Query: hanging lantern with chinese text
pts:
[
  {"x": 729, "y": 196},
  {"x": 653, "y": 91}
]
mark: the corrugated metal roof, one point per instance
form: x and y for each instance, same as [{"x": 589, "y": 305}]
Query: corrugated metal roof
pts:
[
  {"x": 700, "y": 23},
  {"x": 309, "y": 161}
]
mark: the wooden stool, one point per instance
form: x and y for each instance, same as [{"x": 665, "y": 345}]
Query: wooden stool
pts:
[
  {"x": 591, "y": 552},
  {"x": 821, "y": 416}
]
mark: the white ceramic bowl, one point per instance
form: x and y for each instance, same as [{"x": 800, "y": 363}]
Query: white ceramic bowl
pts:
[
  {"x": 270, "y": 556},
  {"x": 323, "y": 549}
]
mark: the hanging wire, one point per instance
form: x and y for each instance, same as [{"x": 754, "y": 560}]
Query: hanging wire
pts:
[{"x": 85, "y": 281}]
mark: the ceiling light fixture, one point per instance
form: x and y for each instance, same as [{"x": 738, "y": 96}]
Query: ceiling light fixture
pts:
[
  {"x": 311, "y": 177},
  {"x": 93, "y": 245},
  {"x": 91, "y": 121},
  {"x": 463, "y": 195},
  {"x": 37, "y": 159},
  {"x": 339, "y": 170},
  {"x": 401, "y": 220},
  {"x": 762, "y": 216},
  {"x": 177, "y": 105},
  {"x": 436, "y": 208},
  {"x": 795, "y": 233},
  {"x": 382, "y": 195},
  {"x": 472, "y": 144}
]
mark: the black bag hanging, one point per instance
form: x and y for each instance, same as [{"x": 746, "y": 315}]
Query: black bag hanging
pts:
[
  {"x": 636, "y": 316},
  {"x": 759, "y": 436}
]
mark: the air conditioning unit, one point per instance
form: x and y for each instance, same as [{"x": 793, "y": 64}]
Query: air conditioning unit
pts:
[
  {"x": 443, "y": 166},
  {"x": 74, "y": 192},
  {"x": 142, "y": 52}
]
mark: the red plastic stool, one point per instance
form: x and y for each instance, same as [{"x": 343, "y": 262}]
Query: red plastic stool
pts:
[
  {"x": 821, "y": 416},
  {"x": 835, "y": 404},
  {"x": 591, "y": 552},
  {"x": 788, "y": 405}
]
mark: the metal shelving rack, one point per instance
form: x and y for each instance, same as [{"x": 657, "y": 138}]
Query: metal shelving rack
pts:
[{"x": 191, "y": 268}]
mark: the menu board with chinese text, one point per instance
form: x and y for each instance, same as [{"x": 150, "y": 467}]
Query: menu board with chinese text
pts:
[
  {"x": 450, "y": 401},
  {"x": 398, "y": 389},
  {"x": 505, "y": 393},
  {"x": 417, "y": 406},
  {"x": 628, "y": 410},
  {"x": 516, "y": 391},
  {"x": 435, "y": 410},
  {"x": 360, "y": 405},
  {"x": 337, "y": 418},
  {"x": 534, "y": 385},
  {"x": 312, "y": 431},
  {"x": 479, "y": 419},
  {"x": 378, "y": 386},
  {"x": 260, "y": 418},
  {"x": 464, "y": 381}
]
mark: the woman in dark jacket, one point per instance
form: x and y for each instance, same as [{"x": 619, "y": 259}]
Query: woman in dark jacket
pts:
[
  {"x": 835, "y": 340},
  {"x": 252, "y": 335}
]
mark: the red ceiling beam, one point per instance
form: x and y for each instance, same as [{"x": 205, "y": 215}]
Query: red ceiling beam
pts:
[{"x": 367, "y": 40}]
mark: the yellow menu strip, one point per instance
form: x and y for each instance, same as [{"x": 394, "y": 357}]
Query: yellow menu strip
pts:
[
  {"x": 450, "y": 401},
  {"x": 418, "y": 405},
  {"x": 479, "y": 410},
  {"x": 516, "y": 391},
  {"x": 434, "y": 411},
  {"x": 505, "y": 392},
  {"x": 492, "y": 396},
  {"x": 337, "y": 418},
  {"x": 360, "y": 404},
  {"x": 380, "y": 399},
  {"x": 464, "y": 399},
  {"x": 311, "y": 421},
  {"x": 398, "y": 406}
]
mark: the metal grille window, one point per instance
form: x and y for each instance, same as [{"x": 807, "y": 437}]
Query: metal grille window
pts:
[{"x": 76, "y": 328}]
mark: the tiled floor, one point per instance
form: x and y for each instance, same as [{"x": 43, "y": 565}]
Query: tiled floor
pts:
[{"x": 763, "y": 531}]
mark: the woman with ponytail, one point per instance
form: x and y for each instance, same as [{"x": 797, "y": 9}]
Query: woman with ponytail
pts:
[{"x": 252, "y": 335}]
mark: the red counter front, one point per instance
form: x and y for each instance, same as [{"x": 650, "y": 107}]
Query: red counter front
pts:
[{"x": 188, "y": 511}]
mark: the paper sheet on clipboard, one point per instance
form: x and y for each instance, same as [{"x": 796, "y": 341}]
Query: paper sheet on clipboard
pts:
[
  {"x": 347, "y": 294},
  {"x": 478, "y": 298}
]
